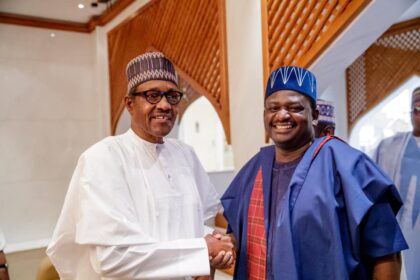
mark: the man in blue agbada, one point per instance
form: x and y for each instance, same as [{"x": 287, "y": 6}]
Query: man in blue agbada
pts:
[{"x": 307, "y": 208}]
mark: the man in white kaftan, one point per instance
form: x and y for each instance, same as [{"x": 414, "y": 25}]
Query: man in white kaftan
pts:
[
  {"x": 399, "y": 157},
  {"x": 137, "y": 202}
]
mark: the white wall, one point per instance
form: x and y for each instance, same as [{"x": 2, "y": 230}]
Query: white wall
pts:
[
  {"x": 336, "y": 93},
  {"x": 246, "y": 85},
  {"x": 201, "y": 128},
  {"x": 221, "y": 180},
  {"x": 49, "y": 114}
]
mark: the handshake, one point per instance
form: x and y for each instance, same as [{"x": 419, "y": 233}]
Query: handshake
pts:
[{"x": 222, "y": 254}]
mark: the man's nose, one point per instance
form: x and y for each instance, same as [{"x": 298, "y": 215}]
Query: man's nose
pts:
[
  {"x": 283, "y": 113},
  {"x": 163, "y": 104}
]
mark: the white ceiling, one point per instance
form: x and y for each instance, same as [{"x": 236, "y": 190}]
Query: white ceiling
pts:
[
  {"x": 412, "y": 12},
  {"x": 66, "y": 10}
]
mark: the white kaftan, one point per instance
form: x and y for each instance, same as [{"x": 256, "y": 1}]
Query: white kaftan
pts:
[
  {"x": 399, "y": 157},
  {"x": 134, "y": 210}
]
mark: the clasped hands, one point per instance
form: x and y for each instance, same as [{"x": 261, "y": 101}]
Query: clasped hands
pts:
[{"x": 222, "y": 254}]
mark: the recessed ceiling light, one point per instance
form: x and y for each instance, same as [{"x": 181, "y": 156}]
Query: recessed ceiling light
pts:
[
  {"x": 52, "y": 35},
  {"x": 80, "y": 6}
]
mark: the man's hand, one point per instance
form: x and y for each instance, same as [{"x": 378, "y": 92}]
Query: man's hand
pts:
[
  {"x": 224, "y": 259},
  {"x": 216, "y": 245}
]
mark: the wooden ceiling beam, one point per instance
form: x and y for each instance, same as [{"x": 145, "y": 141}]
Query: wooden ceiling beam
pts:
[
  {"x": 43, "y": 23},
  {"x": 402, "y": 27}
]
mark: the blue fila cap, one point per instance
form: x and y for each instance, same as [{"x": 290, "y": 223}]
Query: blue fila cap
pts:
[{"x": 292, "y": 78}]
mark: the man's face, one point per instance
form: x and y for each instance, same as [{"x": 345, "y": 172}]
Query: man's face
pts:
[
  {"x": 288, "y": 119},
  {"x": 415, "y": 116},
  {"x": 152, "y": 121},
  {"x": 322, "y": 129}
]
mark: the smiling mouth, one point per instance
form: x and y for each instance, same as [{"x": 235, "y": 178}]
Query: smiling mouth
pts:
[
  {"x": 162, "y": 117},
  {"x": 283, "y": 126}
]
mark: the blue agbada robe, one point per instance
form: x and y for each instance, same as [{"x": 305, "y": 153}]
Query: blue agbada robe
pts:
[{"x": 319, "y": 224}]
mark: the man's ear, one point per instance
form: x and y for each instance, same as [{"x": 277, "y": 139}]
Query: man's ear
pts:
[
  {"x": 128, "y": 101},
  {"x": 329, "y": 130},
  {"x": 315, "y": 115}
]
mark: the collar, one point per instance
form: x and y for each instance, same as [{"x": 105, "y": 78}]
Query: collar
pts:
[{"x": 140, "y": 142}]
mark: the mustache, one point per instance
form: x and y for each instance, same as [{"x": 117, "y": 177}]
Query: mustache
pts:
[{"x": 169, "y": 114}]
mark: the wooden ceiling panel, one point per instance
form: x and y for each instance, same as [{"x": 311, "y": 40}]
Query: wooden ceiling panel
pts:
[
  {"x": 383, "y": 67},
  {"x": 192, "y": 34},
  {"x": 296, "y": 32}
]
